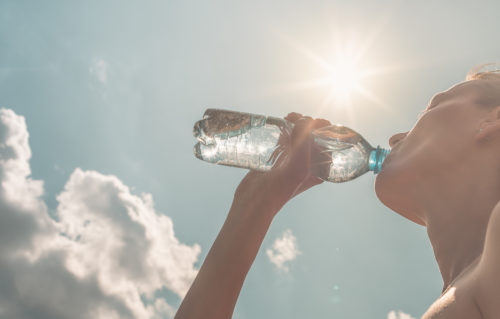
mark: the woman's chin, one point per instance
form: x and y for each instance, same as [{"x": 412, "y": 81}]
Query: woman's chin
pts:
[
  {"x": 394, "y": 189},
  {"x": 382, "y": 187}
]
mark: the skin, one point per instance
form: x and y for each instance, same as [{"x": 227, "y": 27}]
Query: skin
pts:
[{"x": 442, "y": 174}]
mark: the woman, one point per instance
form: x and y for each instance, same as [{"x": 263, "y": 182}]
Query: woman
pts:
[{"x": 443, "y": 174}]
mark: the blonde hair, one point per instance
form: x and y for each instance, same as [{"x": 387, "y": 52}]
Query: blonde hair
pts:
[
  {"x": 489, "y": 75},
  {"x": 487, "y": 71}
]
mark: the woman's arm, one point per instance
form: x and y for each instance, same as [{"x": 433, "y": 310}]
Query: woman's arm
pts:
[
  {"x": 215, "y": 290},
  {"x": 257, "y": 200}
]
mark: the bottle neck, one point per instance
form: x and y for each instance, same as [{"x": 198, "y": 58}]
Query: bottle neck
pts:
[{"x": 377, "y": 157}]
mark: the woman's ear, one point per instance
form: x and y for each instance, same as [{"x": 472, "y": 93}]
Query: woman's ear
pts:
[{"x": 489, "y": 126}]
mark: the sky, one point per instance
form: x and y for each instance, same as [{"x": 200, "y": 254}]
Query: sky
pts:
[{"x": 106, "y": 213}]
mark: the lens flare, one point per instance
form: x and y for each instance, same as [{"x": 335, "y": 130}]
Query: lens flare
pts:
[
  {"x": 344, "y": 78},
  {"x": 344, "y": 69}
]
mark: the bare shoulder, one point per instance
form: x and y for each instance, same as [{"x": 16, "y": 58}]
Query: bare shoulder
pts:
[
  {"x": 487, "y": 292},
  {"x": 475, "y": 294},
  {"x": 458, "y": 301}
]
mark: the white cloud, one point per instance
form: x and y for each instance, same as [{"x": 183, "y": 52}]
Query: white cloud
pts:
[
  {"x": 284, "y": 249},
  {"x": 398, "y": 315},
  {"x": 99, "y": 69},
  {"x": 109, "y": 254}
]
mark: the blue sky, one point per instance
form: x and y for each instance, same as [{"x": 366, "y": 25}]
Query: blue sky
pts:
[{"x": 112, "y": 88}]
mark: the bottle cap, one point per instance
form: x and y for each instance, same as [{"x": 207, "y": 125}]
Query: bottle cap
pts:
[{"x": 377, "y": 157}]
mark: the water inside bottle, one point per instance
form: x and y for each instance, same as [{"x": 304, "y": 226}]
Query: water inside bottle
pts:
[
  {"x": 240, "y": 139},
  {"x": 339, "y": 154}
]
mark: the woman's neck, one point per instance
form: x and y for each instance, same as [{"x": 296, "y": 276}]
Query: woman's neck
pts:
[{"x": 457, "y": 218}]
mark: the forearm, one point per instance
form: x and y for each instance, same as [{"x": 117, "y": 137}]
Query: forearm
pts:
[{"x": 215, "y": 289}]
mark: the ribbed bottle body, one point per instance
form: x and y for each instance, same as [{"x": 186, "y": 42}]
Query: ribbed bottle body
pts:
[
  {"x": 258, "y": 142},
  {"x": 241, "y": 139}
]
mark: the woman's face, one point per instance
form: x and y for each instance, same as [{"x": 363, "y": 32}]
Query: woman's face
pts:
[{"x": 438, "y": 145}]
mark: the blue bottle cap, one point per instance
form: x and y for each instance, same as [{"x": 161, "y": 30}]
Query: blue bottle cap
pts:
[{"x": 377, "y": 157}]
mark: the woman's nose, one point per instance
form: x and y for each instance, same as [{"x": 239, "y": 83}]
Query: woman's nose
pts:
[{"x": 396, "y": 138}]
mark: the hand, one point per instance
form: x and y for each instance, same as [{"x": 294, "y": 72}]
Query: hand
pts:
[{"x": 267, "y": 192}]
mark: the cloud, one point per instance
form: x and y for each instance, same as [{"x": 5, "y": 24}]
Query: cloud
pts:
[
  {"x": 109, "y": 254},
  {"x": 99, "y": 69},
  {"x": 284, "y": 249},
  {"x": 398, "y": 315}
]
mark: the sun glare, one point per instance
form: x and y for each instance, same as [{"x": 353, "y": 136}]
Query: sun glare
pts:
[
  {"x": 344, "y": 78},
  {"x": 342, "y": 72}
]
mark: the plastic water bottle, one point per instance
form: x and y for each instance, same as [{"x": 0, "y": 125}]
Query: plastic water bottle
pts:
[{"x": 256, "y": 142}]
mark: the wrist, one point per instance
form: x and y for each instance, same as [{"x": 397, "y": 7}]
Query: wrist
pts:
[
  {"x": 262, "y": 194},
  {"x": 255, "y": 207}
]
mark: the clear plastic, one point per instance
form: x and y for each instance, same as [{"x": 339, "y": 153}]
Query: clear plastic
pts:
[
  {"x": 241, "y": 139},
  {"x": 339, "y": 154},
  {"x": 256, "y": 142}
]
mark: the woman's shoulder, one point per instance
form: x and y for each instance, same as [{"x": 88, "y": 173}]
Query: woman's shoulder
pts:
[{"x": 487, "y": 272}]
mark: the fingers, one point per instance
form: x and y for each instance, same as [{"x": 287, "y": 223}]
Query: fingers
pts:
[
  {"x": 301, "y": 139},
  {"x": 301, "y": 131},
  {"x": 293, "y": 117},
  {"x": 318, "y": 123},
  {"x": 304, "y": 126},
  {"x": 294, "y": 175}
]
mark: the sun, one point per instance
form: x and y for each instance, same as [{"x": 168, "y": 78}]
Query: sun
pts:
[
  {"x": 344, "y": 78},
  {"x": 341, "y": 69}
]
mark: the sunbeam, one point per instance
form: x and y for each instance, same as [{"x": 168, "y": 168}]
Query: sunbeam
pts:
[{"x": 342, "y": 70}]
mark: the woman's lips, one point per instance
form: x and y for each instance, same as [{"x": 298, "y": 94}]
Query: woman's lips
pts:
[{"x": 391, "y": 155}]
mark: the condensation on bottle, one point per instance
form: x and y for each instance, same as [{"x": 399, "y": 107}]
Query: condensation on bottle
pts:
[
  {"x": 241, "y": 139},
  {"x": 258, "y": 142},
  {"x": 339, "y": 154}
]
